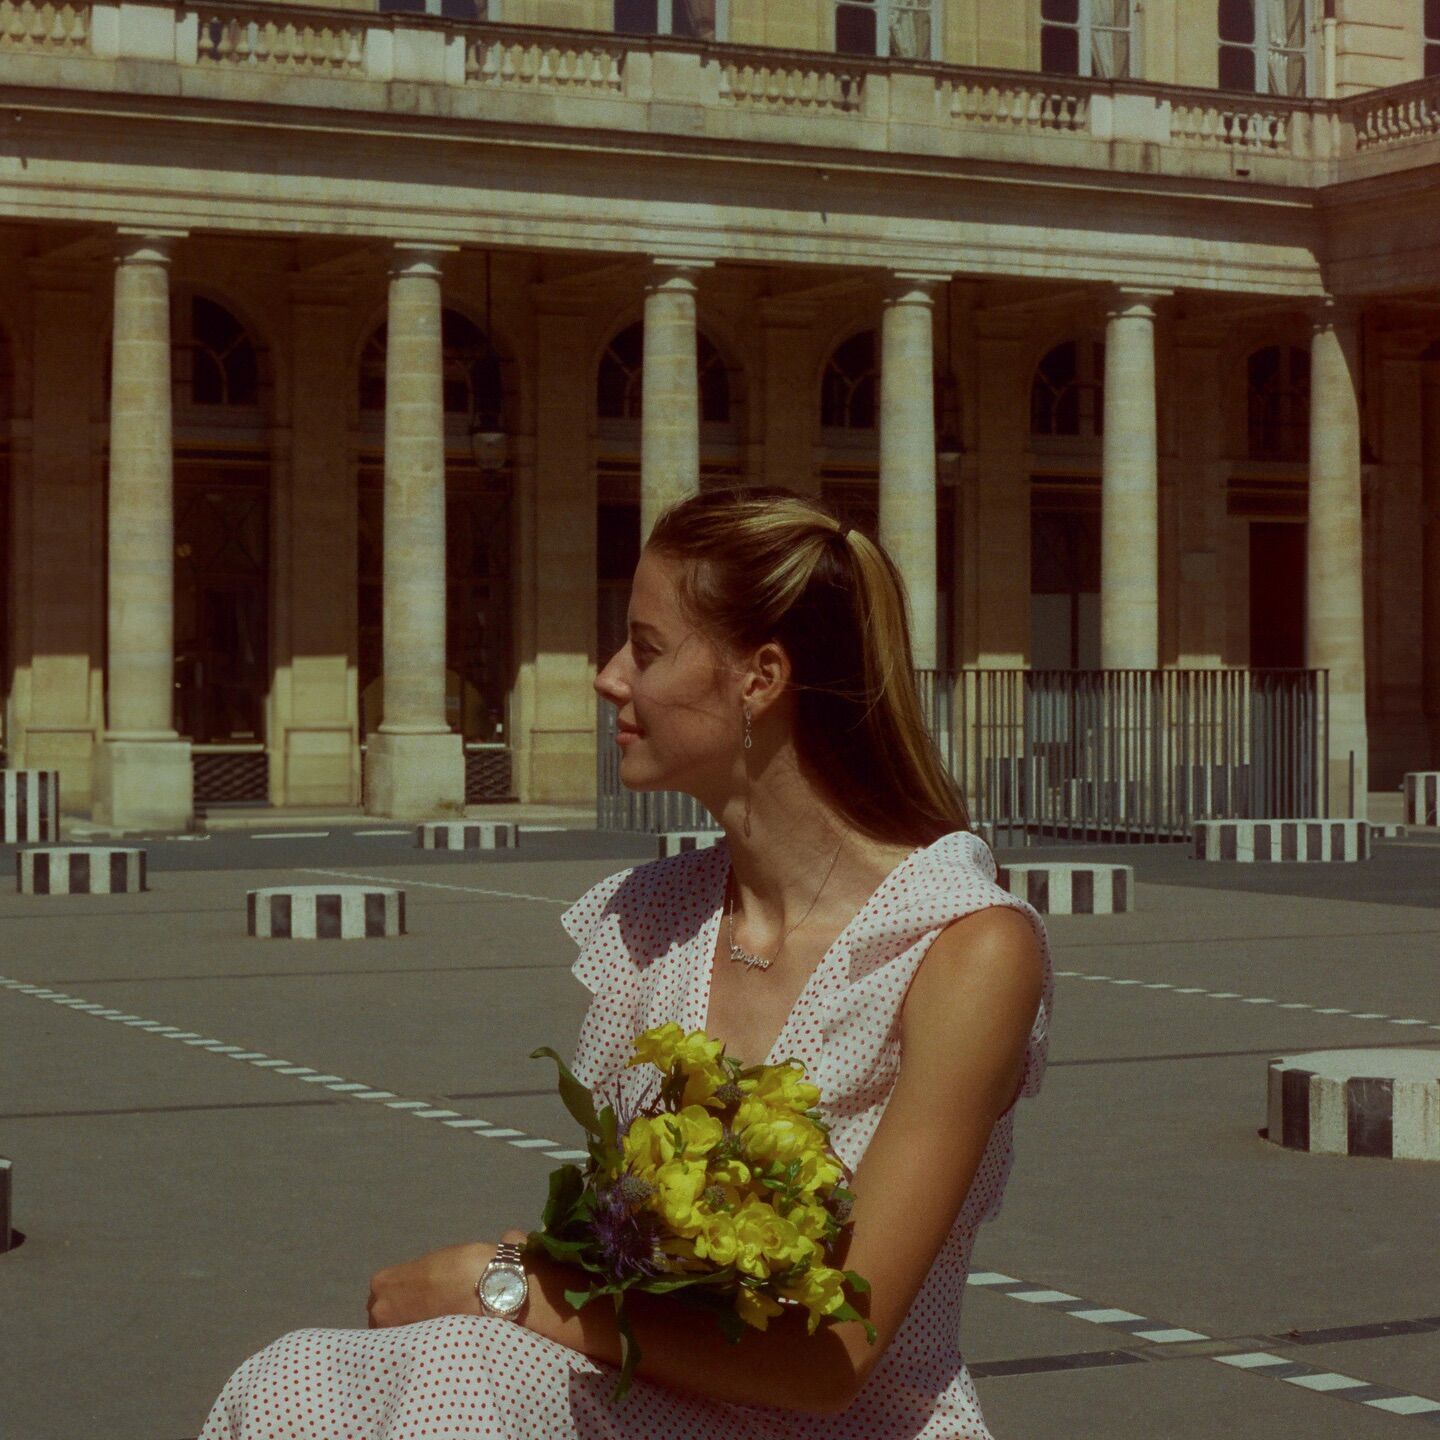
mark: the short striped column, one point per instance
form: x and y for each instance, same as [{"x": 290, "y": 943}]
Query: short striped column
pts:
[
  {"x": 1388, "y": 832},
  {"x": 30, "y": 807},
  {"x": 1070, "y": 887},
  {"x": 1422, "y": 797},
  {"x": 80, "y": 870},
  {"x": 467, "y": 835},
  {"x": 325, "y": 912},
  {"x": 1260, "y": 841},
  {"x": 7, "y": 1231},
  {"x": 677, "y": 842},
  {"x": 1357, "y": 1102}
]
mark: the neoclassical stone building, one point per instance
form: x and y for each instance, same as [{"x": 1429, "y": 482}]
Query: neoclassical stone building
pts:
[{"x": 347, "y": 355}]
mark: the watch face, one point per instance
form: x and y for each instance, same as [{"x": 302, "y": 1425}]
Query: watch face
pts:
[{"x": 503, "y": 1288}]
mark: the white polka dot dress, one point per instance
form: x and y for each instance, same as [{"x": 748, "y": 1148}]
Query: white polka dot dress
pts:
[{"x": 646, "y": 937}]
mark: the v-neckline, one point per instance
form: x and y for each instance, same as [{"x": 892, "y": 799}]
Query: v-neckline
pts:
[{"x": 710, "y": 935}]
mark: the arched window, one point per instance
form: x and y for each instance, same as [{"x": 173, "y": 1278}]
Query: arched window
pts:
[
  {"x": 850, "y": 390},
  {"x": 1278, "y": 403},
  {"x": 1264, "y": 46},
  {"x": 1086, "y": 37},
  {"x": 214, "y": 360},
  {"x": 1067, "y": 395},
  {"x": 620, "y": 384},
  {"x": 903, "y": 29},
  {"x": 473, "y": 381}
]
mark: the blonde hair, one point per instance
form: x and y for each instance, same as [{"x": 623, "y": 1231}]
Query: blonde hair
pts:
[{"x": 762, "y": 563}]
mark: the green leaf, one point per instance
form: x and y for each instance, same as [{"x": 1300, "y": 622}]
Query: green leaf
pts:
[
  {"x": 578, "y": 1100},
  {"x": 732, "y": 1327},
  {"x": 566, "y": 1185},
  {"x": 857, "y": 1282},
  {"x": 629, "y": 1351},
  {"x": 579, "y": 1299}
]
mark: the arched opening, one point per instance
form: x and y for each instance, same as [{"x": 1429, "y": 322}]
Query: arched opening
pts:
[
  {"x": 1067, "y": 392},
  {"x": 1277, "y": 398}
]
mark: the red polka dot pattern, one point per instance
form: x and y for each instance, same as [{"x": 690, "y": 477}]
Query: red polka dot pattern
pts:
[{"x": 646, "y": 937}]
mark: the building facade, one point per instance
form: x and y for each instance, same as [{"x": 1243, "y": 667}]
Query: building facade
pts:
[{"x": 346, "y": 357}]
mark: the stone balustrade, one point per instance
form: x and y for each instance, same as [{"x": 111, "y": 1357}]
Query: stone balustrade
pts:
[{"x": 714, "y": 89}]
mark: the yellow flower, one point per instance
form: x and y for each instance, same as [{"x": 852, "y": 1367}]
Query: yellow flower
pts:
[
  {"x": 777, "y": 1136},
  {"x": 666, "y": 1044},
  {"x": 767, "y": 1241},
  {"x": 820, "y": 1290},
  {"x": 812, "y": 1221},
  {"x": 819, "y": 1171},
  {"x": 732, "y": 1174},
  {"x": 717, "y": 1240},
  {"x": 651, "y": 1141},
  {"x": 783, "y": 1087},
  {"x": 678, "y": 1186},
  {"x": 754, "y": 1308}
]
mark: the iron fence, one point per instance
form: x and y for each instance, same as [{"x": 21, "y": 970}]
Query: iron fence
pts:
[{"x": 1086, "y": 755}]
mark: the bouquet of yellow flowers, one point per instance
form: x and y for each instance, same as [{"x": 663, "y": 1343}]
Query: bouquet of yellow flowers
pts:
[{"x": 723, "y": 1191}]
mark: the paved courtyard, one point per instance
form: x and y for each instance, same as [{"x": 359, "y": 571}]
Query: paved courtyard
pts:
[{"x": 238, "y": 1132}]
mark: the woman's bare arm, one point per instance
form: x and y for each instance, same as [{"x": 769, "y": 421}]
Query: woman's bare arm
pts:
[{"x": 964, "y": 1029}]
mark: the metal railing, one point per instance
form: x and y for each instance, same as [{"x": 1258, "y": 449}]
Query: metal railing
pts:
[{"x": 1086, "y": 755}]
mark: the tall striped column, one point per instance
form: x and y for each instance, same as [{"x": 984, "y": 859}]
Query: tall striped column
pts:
[
  {"x": 670, "y": 391},
  {"x": 142, "y": 774},
  {"x": 908, "y": 511},
  {"x": 1334, "y": 560},
  {"x": 415, "y": 766}
]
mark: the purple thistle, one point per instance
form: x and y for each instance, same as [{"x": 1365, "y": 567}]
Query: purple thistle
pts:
[{"x": 627, "y": 1238}]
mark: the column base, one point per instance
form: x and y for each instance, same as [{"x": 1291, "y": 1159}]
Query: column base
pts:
[
  {"x": 415, "y": 777},
  {"x": 144, "y": 785}
]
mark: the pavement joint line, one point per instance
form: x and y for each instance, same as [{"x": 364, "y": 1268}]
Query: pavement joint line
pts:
[
  {"x": 436, "y": 885},
  {"x": 294, "y": 835},
  {"x": 1244, "y": 1356},
  {"x": 420, "y": 1109},
  {"x": 1253, "y": 999}
]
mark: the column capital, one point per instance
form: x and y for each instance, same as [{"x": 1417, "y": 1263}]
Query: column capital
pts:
[
  {"x": 677, "y": 273},
  {"x": 145, "y": 245},
  {"x": 1138, "y": 301},
  {"x": 1331, "y": 312},
  {"x": 419, "y": 257},
  {"x": 914, "y": 287}
]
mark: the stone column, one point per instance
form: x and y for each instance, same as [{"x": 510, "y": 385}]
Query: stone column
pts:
[
  {"x": 1129, "y": 518},
  {"x": 314, "y": 705},
  {"x": 415, "y": 766},
  {"x": 907, "y": 449},
  {"x": 560, "y": 737},
  {"x": 1334, "y": 554},
  {"x": 791, "y": 407},
  {"x": 1430, "y": 555},
  {"x": 58, "y": 517},
  {"x": 143, "y": 777},
  {"x": 670, "y": 413}
]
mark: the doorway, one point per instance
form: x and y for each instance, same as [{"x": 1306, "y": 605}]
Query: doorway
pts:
[{"x": 1277, "y": 595}]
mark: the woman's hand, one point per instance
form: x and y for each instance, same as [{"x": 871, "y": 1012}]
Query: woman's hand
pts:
[{"x": 440, "y": 1283}]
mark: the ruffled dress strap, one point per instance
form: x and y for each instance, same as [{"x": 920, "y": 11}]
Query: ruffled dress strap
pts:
[{"x": 606, "y": 968}]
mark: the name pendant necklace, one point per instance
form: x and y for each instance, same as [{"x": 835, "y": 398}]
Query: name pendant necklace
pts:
[{"x": 763, "y": 962}]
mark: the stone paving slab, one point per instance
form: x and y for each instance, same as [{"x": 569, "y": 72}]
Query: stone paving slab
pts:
[{"x": 1140, "y": 1180}]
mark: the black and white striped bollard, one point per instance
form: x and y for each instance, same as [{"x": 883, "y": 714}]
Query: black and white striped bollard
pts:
[
  {"x": 1261, "y": 841},
  {"x": 30, "y": 807},
  {"x": 1055, "y": 887},
  {"x": 80, "y": 870},
  {"x": 677, "y": 842},
  {"x": 1357, "y": 1102},
  {"x": 467, "y": 835},
  {"x": 325, "y": 912}
]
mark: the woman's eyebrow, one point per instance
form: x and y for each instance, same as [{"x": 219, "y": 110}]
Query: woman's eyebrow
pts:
[{"x": 642, "y": 625}]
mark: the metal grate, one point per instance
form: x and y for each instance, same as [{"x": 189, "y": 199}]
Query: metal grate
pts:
[
  {"x": 231, "y": 777},
  {"x": 488, "y": 773}
]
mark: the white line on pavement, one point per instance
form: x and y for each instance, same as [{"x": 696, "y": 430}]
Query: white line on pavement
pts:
[
  {"x": 294, "y": 835},
  {"x": 435, "y": 885}
]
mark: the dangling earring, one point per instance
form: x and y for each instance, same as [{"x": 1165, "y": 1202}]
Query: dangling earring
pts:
[{"x": 747, "y": 777}]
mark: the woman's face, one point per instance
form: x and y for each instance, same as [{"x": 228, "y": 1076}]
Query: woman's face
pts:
[{"x": 668, "y": 684}]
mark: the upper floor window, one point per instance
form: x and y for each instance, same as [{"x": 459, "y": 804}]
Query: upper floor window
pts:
[
  {"x": 619, "y": 389},
  {"x": 904, "y": 29},
  {"x": 1432, "y": 37},
  {"x": 1264, "y": 46},
  {"x": 692, "y": 19},
  {"x": 1067, "y": 395},
  {"x": 1278, "y": 403},
  {"x": 215, "y": 361},
  {"x": 450, "y": 9},
  {"x": 850, "y": 390},
  {"x": 1086, "y": 37}
]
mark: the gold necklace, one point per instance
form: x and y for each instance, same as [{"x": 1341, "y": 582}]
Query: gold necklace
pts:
[{"x": 760, "y": 962}]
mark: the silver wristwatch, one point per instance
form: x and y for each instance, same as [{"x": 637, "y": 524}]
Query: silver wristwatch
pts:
[{"x": 503, "y": 1286}]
